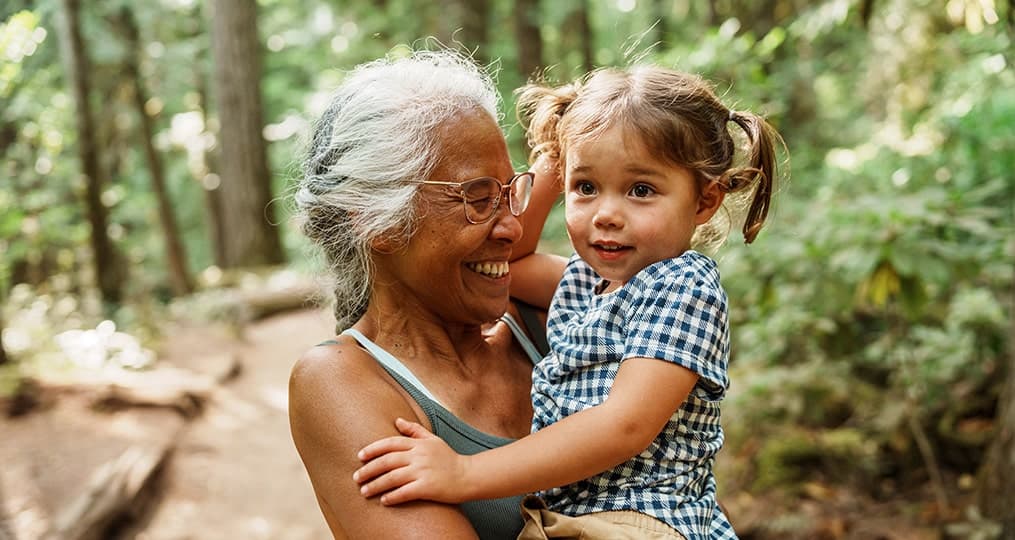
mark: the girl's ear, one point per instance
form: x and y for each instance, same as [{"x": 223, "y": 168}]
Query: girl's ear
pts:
[{"x": 709, "y": 201}]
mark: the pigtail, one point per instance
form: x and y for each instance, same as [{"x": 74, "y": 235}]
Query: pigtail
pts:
[
  {"x": 760, "y": 170},
  {"x": 540, "y": 109}
]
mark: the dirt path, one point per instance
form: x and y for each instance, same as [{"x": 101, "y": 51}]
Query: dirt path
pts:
[{"x": 235, "y": 472}]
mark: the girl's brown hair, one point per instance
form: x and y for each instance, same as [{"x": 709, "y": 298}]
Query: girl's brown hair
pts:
[{"x": 678, "y": 117}]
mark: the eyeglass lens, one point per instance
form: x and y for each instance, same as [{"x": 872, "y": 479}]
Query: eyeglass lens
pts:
[
  {"x": 482, "y": 196},
  {"x": 521, "y": 192}
]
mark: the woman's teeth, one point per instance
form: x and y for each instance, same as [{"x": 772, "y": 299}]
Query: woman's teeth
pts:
[{"x": 496, "y": 270}]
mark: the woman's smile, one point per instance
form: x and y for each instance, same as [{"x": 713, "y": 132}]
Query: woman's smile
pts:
[{"x": 493, "y": 269}]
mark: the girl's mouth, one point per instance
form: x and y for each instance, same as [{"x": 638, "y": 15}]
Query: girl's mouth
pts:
[{"x": 611, "y": 251}]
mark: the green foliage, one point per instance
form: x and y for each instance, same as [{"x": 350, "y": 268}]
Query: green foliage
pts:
[
  {"x": 790, "y": 457},
  {"x": 878, "y": 294},
  {"x": 885, "y": 274}
]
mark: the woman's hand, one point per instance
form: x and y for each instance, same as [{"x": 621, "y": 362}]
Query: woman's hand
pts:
[{"x": 417, "y": 466}]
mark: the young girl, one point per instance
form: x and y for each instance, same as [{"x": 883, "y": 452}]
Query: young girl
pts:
[{"x": 626, "y": 419}]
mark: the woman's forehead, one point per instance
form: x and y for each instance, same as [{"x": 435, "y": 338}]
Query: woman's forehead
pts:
[{"x": 471, "y": 145}]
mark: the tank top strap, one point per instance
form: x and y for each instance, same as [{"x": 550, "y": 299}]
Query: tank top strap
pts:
[
  {"x": 523, "y": 338},
  {"x": 492, "y": 518},
  {"x": 390, "y": 362},
  {"x": 395, "y": 365}
]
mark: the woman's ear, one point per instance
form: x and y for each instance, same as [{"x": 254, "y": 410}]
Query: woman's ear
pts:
[
  {"x": 385, "y": 244},
  {"x": 709, "y": 201}
]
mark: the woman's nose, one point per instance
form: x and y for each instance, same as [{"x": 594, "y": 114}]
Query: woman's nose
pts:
[{"x": 506, "y": 226}]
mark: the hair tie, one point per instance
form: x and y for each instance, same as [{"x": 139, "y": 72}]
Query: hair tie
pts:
[{"x": 732, "y": 113}]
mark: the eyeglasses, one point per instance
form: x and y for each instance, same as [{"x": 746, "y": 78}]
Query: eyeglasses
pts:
[{"x": 482, "y": 196}]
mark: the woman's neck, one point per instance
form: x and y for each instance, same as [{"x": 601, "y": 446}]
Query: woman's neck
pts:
[
  {"x": 410, "y": 330},
  {"x": 474, "y": 369}
]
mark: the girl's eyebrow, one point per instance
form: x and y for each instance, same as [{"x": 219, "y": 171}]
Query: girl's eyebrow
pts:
[
  {"x": 637, "y": 170},
  {"x": 642, "y": 171}
]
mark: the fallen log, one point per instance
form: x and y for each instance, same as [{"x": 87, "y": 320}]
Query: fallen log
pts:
[
  {"x": 260, "y": 304},
  {"x": 115, "y": 490},
  {"x": 181, "y": 390}
]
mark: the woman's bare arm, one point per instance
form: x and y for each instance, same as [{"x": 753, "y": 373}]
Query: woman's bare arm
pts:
[{"x": 340, "y": 400}]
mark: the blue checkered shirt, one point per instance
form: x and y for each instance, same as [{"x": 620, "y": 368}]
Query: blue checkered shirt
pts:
[{"x": 673, "y": 310}]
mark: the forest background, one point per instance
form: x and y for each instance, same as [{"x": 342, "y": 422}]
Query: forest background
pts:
[{"x": 147, "y": 150}]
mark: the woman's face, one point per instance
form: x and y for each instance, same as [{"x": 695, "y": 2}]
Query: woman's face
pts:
[{"x": 451, "y": 268}]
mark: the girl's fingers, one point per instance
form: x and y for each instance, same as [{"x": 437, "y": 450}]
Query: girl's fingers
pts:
[
  {"x": 412, "y": 429},
  {"x": 384, "y": 446},
  {"x": 404, "y": 494},
  {"x": 386, "y": 482},
  {"x": 378, "y": 466}
]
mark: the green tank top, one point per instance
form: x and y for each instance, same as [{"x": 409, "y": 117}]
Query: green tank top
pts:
[{"x": 493, "y": 519}]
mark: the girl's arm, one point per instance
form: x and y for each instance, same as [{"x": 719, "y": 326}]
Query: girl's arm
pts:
[
  {"x": 644, "y": 396},
  {"x": 534, "y": 276}
]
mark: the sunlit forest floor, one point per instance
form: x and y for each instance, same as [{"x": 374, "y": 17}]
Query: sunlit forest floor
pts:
[{"x": 233, "y": 471}]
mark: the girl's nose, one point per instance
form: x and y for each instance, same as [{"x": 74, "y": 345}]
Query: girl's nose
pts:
[{"x": 608, "y": 214}]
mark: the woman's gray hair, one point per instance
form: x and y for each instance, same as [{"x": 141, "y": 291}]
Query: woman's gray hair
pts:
[{"x": 367, "y": 152}]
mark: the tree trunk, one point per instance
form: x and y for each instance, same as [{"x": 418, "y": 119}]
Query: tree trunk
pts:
[
  {"x": 997, "y": 475},
  {"x": 475, "y": 34},
  {"x": 866, "y": 12},
  {"x": 578, "y": 24},
  {"x": 245, "y": 180},
  {"x": 176, "y": 257},
  {"x": 211, "y": 182},
  {"x": 761, "y": 16},
  {"x": 109, "y": 271},
  {"x": 528, "y": 38},
  {"x": 660, "y": 15},
  {"x": 206, "y": 173},
  {"x": 713, "y": 13},
  {"x": 3, "y": 352}
]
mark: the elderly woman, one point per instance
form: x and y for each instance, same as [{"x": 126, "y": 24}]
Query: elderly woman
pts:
[{"x": 409, "y": 192}]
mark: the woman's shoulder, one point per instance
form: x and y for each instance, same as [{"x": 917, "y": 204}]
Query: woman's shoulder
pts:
[
  {"x": 330, "y": 362},
  {"x": 342, "y": 378},
  {"x": 340, "y": 400}
]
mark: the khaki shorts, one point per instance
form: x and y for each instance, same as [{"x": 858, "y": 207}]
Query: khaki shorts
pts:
[{"x": 543, "y": 524}]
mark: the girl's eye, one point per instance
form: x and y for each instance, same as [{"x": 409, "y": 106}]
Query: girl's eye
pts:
[
  {"x": 642, "y": 190},
  {"x": 585, "y": 188}
]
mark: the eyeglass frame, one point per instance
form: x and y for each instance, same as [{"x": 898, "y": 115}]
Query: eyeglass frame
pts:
[{"x": 500, "y": 194}]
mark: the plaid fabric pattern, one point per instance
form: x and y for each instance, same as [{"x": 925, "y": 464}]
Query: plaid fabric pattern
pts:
[{"x": 673, "y": 310}]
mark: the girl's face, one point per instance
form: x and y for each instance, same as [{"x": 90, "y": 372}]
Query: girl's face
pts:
[
  {"x": 626, "y": 209},
  {"x": 450, "y": 268}
]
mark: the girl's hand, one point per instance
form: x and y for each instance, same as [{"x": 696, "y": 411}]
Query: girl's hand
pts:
[{"x": 417, "y": 466}]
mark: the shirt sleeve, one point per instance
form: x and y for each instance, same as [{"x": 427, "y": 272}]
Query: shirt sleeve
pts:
[
  {"x": 683, "y": 322},
  {"x": 576, "y": 283}
]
